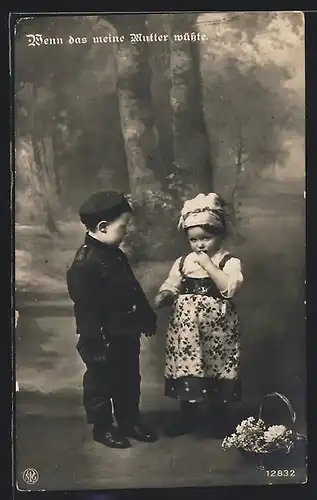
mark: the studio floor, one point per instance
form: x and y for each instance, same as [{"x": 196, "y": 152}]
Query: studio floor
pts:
[{"x": 54, "y": 440}]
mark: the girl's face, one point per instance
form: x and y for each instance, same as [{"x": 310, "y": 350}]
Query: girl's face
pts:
[{"x": 201, "y": 240}]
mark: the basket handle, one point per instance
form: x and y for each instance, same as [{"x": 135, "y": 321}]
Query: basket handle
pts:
[{"x": 285, "y": 400}]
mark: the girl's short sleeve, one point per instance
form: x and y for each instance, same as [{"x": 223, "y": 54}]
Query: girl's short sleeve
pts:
[
  {"x": 233, "y": 269},
  {"x": 173, "y": 281}
]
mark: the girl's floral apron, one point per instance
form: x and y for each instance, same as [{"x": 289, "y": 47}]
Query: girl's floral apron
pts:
[{"x": 203, "y": 343}]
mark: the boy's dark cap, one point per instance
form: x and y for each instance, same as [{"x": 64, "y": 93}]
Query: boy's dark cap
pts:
[{"x": 104, "y": 205}]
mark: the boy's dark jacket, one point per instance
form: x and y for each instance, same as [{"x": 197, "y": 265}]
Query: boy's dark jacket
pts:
[{"x": 107, "y": 297}]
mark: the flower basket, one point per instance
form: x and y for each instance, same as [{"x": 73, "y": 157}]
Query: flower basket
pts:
[{"x": 269, "y": 447}]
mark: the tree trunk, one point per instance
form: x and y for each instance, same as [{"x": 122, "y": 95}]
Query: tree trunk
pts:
[
  {"x": 47, "y": 189},
  {"x": 27, "y": 189},
  {"x": 238, "y": 170},
  {"x": 135, "y": 104},
  {"x": 161, "y": 88},
  {"x": 43, "y": 155},
  {"x": 191, "y": 144}
]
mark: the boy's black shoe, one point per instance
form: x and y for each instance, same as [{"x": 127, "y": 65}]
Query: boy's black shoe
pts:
[
  {"x": 139, "y": 432},
  {"x": 110, "y": 437}
]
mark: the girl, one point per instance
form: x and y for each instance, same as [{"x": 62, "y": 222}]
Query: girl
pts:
[{"x": 202, "y": 344}]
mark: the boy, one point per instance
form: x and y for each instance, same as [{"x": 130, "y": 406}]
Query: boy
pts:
[{"x": 111, "y": 312}]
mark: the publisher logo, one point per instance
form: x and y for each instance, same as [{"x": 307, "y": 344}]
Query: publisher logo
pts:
[{"x": 30, "y": 476}]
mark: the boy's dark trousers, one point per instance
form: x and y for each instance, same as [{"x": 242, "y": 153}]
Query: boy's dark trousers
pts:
[{"x": 114, "y": 381}]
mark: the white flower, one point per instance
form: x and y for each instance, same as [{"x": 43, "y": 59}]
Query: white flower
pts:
[{"x": 275, "y": 432}]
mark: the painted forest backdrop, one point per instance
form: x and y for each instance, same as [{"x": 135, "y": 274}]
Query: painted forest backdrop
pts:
[{"x": 164, "y": 121}]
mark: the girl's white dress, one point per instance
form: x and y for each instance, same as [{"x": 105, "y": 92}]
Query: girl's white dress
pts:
[{"x": 203, "y": 337}]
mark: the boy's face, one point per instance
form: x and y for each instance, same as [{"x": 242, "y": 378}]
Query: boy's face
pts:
[{"x": 116, "y": 230}]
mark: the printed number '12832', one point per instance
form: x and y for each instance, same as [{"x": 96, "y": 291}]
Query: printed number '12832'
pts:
[{"x": 280, "y": 473}]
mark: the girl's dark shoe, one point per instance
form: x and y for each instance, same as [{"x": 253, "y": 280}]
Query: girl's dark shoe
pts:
[
  {"x": 179, "y": 428},
  {"x": 219, "y": 424},
  {"x": 219, "y": 431},
  {"x": 110, "y": 437},
  {"x": 186, "y": 422}
]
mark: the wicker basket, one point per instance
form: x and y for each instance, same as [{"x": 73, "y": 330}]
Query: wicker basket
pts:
[{"x": 295, "y": 456}]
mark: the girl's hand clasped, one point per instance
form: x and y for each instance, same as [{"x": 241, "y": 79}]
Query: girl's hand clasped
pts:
[{"x": 203, "y": 260}]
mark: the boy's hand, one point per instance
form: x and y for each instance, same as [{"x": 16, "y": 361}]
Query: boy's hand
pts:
[
  {"x": 163, "y": 298},
  {"x": 94, "y": 351}
]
